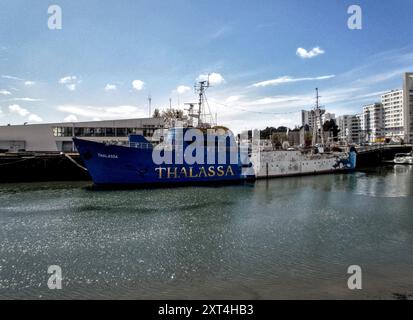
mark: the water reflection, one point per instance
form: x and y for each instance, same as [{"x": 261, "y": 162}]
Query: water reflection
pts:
[
  {"x": 281, "y": 238},
  {"x": 390, "y": 181}
]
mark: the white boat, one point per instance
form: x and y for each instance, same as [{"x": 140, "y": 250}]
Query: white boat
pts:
[
  {"x": 403, "y": 158},
  {"x": 280, "y": 163},
  {"x": 268, "y": 163}
]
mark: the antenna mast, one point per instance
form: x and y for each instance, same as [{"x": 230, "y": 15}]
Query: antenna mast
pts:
[
  {"x": 150, "y": 105},
  {"x": 317, "y": 118},
  {"x": 201, "y": 88}
]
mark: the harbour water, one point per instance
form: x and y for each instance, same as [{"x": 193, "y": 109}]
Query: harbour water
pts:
[{"x": 283, "y": 238}]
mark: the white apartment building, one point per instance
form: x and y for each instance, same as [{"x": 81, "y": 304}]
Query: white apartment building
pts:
[
  {"x": 408, "y": 106},
  {"x": 392, "y": 118},
  {"x": 309, "y": 118},
  {"x": 362, "y": 126},
  {"x": 373, "y": 122},
  {"x": 392, "y": 102},
  {"x": 328, "y": 117},
  {"x": 398, "y": 111},
  {"x": 350, "y": 128}
]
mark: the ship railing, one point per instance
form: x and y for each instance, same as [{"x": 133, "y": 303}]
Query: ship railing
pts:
[{"x": 141, "y": 145}]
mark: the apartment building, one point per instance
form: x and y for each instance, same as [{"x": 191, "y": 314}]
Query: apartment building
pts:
[
  {"x": 392, "y": 102},
  {"x": 350, "y": 128},
  {"x": 373, "y": 122},
  {"x": 408, "y": 106},
  {"x": 309, "y": 118}
]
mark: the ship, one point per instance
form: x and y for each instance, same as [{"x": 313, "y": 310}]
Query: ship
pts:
[
  {"x": 320, "y": 157},
  {"x": 217, "y": 159},
  {"x": 199, "y": 154},
  {"x": 280, "y": 163}
]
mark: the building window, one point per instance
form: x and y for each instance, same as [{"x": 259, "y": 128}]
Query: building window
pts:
[
  {"x": 148, "y": 130},
  {"x": 121, "y": 132},
  {"x": 63, "y": 131},
  {"x": 78, "y": 132},
  {"x": 100, "y": 132},
  {"x": 110, "y": 132},
  {"x": 132, "y": 130}
]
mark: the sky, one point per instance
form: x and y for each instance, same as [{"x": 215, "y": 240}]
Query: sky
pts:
[{"x": 264, "y": 58}]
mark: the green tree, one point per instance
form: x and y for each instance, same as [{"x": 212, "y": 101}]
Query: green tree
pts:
[
  {"x": 172, "y": 114},
  {"x": 156, "y": 114}
]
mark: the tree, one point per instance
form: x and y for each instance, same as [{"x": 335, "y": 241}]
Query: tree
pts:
[
  {"x": 277, "y": 138},
  {"x": 172, "y": 114},
  {"x": 156, "y": 114},
  {"x": 266, "y": 133},
  {"x": 331, "y": 127},
  {"x": 282, "y": 129}
]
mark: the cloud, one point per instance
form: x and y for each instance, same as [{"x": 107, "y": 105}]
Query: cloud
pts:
[
  {"x": 280, "y": 101},
  {"x": 138, "y": 85},
  {"x": 287, "y": 79},
  {"x": 15, "y": 108},
  {"x": 26, "y": 99},
  {"x": 11, "y": 78},
  {"x": 183, "y": 89},
  {"x": 214, "y": 78},
  {"x": 381, "y": 77},
  {"x": 71, "y": 87},
  {"x": 252, "y": 111},
  {"x": 231, "y": 99},
  {"x": 68, "y": 79},
  {"x": 70, "y": 118},
  {"x": 35, "y": 118},
  {"x": 29, "y": 83},
  {"x": 5, "y": 92},
  {"x": 220, "y": 32},
  {"x": 103, "y": 112},
  {"x": 303, "y": 53},
  {"x": 110, "y": 87},
  {"x": 70, "y": 82},
  {"x": 351, "y": 89}
]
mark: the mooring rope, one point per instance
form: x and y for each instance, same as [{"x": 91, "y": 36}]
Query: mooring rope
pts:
[
  {"x": 17, "y": 161},
  {"x": 74, "y": 161}
]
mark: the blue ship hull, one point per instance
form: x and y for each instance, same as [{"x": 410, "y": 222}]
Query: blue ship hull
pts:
[{"x": 113, "y": 165}]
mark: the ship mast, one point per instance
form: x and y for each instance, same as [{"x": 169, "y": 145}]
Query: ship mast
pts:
[
  {"x": 201, "y": 114},
  {"x": 150, "y": 105},
  {"x": 203, "y": 85},
  {"x": 200, "y": 88},
  {"x": 317, "y": 118}
]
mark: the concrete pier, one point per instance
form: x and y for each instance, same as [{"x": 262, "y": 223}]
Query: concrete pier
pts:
[{"x": 31, "y": 166}]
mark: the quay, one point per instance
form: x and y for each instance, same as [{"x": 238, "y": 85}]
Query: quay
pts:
[
  {"x": 44, "y": 166},
  {"x": 368, "y": 156}
]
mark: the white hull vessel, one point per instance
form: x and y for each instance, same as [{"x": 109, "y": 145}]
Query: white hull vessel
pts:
[
  {"x": 403, "y": 158},
  {"x": 279, "y": 163}
]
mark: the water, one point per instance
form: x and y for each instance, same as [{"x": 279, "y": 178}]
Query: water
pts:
[{"x": 282, "y": 238}]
